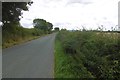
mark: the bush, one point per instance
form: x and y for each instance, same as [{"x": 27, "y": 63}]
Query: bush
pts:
[
  {"x": 99, "y": 52},
  {"x": 12, "y": 34}
]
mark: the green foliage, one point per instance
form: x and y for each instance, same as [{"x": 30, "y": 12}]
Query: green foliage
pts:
[
  {"x": 66, "y": 66},
  {"x": 12, "y": 10},
  {"x": 11, "y": 30},
  {"x": 98, "y": 52},
  {"x": 56, "y": 28},
  {"x": 49, "y": 26},
  {"x": 42, "y": 25},
  {"x": 14, "y": 33}
]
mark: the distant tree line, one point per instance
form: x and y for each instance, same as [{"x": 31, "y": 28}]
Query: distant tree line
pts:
[{"x": 56, "y": 29}]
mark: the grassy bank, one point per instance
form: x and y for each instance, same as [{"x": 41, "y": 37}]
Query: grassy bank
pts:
[
  {"x": 19, "y": 41},
  {"x": 66, "y": 66},
  {"x": 84, "y": 54},
  {"x": 13, "y": 35}
]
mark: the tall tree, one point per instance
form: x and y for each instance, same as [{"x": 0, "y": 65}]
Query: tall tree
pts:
[
  {"x": 49, "y": 26},
  {"x": 42, "y": 24},
  {"x": 11, "y": 11}
]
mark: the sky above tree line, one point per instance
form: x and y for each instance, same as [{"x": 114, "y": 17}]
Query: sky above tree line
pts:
[{"x": 73, "y": 14}]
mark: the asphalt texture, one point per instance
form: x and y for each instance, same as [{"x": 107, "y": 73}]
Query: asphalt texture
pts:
[{"x": 33, "y": 59}]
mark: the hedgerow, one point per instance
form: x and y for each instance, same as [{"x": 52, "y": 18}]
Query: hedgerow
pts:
[{"x": 99, "y": 52}]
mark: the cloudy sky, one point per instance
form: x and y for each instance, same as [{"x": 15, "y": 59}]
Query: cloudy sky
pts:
[{"x": 73, "y": 14}]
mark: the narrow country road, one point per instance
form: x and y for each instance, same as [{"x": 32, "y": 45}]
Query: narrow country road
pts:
[{"x": 33, "y": 59}]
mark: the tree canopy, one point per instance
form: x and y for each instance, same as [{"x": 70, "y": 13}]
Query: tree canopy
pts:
[
  {"x": 42, "y": 24},
  {"x": 56, "y": 28},
  {"x": 11, "y": 11}
]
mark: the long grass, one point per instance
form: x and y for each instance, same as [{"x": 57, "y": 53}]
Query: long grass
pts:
[
  {"x": 87, "y": 54},
  {"x": 66, "y": 66},
  {"x": 12, "y": 35}
]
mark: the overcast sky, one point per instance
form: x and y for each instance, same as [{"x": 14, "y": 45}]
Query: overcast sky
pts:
[{"x": 73, "y": 14}]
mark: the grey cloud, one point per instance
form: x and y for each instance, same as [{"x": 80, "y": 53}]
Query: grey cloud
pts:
[
  {"x": 26, "y": 24},
  {"x": 48, "y": 1},
  {"x": 60, "y": 24},
  {"x": 80, "y": 1},
  {"x": 28, "y": 19}
]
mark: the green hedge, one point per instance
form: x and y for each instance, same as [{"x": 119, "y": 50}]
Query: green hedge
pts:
[
  {"x": 99, "y": 52},
  {"x": 12, "y": 34}
]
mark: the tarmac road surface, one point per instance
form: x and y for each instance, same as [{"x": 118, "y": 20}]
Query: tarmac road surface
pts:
[{"x": 33, "y": 59}]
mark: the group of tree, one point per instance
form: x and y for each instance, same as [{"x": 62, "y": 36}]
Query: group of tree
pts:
[
  {"x": 12, "y": 13},
  {"x": 56, "y": 29},
  {"x": 12, "y": 30},
  {"x": 43, "y": 25}
]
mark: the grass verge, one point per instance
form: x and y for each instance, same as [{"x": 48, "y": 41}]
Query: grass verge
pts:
[
  {"x": 87, "y": 55},
  {"x": 11, "y": 42},
  {"x": 66, "y": 66}
]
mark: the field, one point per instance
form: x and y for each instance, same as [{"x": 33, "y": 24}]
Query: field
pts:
[{"x": 87, "y": 54}]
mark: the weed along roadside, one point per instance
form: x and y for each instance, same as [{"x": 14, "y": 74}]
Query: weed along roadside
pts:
[
  {"x": 86, "y": 54},
  {"x": 20, "y": 40},
  {"x": 14, "y": 34}
]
